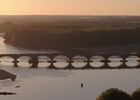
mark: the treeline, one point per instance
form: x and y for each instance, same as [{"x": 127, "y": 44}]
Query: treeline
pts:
[
  {"x": 44, "y": 32},
  {"x": 65, "y": 39}
]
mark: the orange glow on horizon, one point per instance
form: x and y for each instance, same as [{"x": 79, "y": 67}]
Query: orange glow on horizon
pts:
[{"x": 69, "y": 7}]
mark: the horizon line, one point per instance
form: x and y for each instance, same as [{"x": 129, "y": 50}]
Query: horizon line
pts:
[{"x": 61, "y": 15}]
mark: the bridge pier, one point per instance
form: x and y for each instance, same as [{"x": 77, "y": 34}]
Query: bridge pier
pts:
[
  {"x": 70, "y": 67},
  {"x": 105, "y": 61},
  {"x": 15, "y": 62},
  {"x": 34, "y": 61},
  {"x": 52, "y": 63},
  {"x": 88, "y": 66},
  {"x": 123, "y": 63}
]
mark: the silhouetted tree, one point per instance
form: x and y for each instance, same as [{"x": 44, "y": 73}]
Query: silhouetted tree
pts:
[
  {"x": 114, "y": 94},
  {"x": 136, "y": 94}
]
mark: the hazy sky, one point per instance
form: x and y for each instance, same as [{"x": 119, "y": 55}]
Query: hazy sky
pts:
[{"x": 70, "y": 7}]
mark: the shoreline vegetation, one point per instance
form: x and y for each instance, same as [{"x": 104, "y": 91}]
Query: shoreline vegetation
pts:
[{"x": 68, "y": 32}]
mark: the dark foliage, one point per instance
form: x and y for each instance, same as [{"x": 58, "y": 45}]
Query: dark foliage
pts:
[
  {"x": 35, "y": 39},
  {"x": 114, "y": 94},
  {"x": 65, "y": 32},
  {"x": 136, "y": 94}
]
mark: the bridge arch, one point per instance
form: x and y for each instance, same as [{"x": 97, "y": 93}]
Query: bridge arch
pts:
[
  {"x": 6, "y": 60},
  {"x": 97, "y": 61},
  {"x": 75, "y": 61},
  {"x": 61, "y": 61},
  {"x": 115, "y": 61},
  {"x": 79, "y": 61},
  {"x": 132, "y": 61},
  {"x": 44, "y": 61},
  {"x": 23, "y": 61}
]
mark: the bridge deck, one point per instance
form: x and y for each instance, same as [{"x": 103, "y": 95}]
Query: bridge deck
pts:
[{"x": 34, "y": 60}]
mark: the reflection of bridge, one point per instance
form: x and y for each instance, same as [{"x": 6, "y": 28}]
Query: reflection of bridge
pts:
[{"x": 105, "y": 60}]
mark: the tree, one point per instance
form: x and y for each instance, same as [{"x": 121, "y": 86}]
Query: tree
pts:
[
  {"x": 114, "y": 94},
  {"x": 136, "y": 94}
]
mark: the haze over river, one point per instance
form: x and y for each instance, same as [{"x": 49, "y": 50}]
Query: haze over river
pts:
[{"x": 45, "y": 84}]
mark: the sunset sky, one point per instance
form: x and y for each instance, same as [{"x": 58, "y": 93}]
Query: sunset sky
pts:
[{"x": 69, "y": 7}]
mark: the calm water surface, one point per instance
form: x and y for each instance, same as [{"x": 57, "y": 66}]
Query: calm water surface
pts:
[{"x": 44, "y": 84}]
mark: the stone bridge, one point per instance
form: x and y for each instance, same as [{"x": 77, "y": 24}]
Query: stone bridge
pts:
[{"x": 89, "y": 61}]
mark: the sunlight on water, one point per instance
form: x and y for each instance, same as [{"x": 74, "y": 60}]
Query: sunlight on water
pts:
[
  {"x": 45, "y": 84},
  {"x": 50, "y": 84}
]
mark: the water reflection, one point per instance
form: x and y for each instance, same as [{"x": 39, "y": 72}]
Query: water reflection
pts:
[
  {"x": 79, "y": 61},
  {"x": 45, "y": 84},
  {"x": 43, "y": 61},
  {"x": 24, "y": 61},
  {"x": 8, "y": 61},
  {"x": 61, "y": 61},
  {"x": 27, "y": 73},
  {"x": 132, "y": 61},
  {"x": 49, "y": 83},
  {"x": 115, "y": 61},
  {"x": 96, "y": 61}
]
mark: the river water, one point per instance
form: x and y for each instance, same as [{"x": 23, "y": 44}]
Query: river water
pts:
[{"x": 45, "y": 84}]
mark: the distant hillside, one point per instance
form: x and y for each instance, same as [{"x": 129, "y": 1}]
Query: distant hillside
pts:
[{"x": 71, "y": 32}]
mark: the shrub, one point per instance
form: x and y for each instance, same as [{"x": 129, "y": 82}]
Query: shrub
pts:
[
  {"x": 136, "y": 94},
  {"x": 114, "y": 94}
]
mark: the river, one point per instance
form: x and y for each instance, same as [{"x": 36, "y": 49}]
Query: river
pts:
[{"x": 45, "y": 84}]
